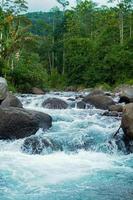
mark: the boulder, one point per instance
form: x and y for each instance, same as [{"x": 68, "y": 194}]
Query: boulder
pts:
[
  {"x": 81, "y": 105},
  {"x": 99, "y": 101},
  {"x": 126, "y": 95},
  {"x": 127, "y": 121},
  {"x": 37, "y": 145},
  {"x": 3, "y": 88},
  {"x": 116, "y": 108},
  {"x": 16, "y": 123},
  {"x": 54, "y": 103},
  {"x": 37, "y": 91},
  {"x": 11, "y": 101}
]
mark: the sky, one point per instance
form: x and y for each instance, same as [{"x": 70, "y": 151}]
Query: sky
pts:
[{"x": 45, "y": 5}]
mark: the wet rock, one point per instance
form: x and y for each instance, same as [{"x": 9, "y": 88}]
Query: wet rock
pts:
[
  {"x": 81, "y": 105},
  {"x": 71, "y": 99},
  {"x": 11, "y": 101},
  {"x": 37, "y": 145},
  {"x": 79, "y": 96},
  {"x": 16, "y": 123},
  {"x": 99, "y": 101},
  {"x": 117, "y": 108},
  {"x": 3, "y": 88},
  {"x": 127, "y": 121},
  {"x": 124, "y": 144},
  {"x": 54, "y": 103},
  {"x": 112, "y": 114},
  {"x": 37, "y": 91}
]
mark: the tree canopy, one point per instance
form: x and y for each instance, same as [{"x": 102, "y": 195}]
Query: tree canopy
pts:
[{"x": 84, "y": 46}]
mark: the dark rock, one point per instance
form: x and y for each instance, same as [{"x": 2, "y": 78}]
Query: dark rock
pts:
[
  {"x": 112, "y": 114},
  {"x": 54, "y": 103},
  {"x": 117, "y": 108},
  {"x": 71, "y": 99},
  {"x": 99, "y": 101},
  {"x": 124, "y": 144},
  {"x": 126, "y": 95},
  {"x": 18, "y": 123},
  {"x": 11, "y": 101},
  {"x": 124, "y": 99},
  {"x": 81, "y": 105},
  {"x": 109, "y": 94},
  {"x": 37, "y": 144},
  {"x": 37, "y": 91},
  {"x": 79, "y": 97},
  {"x": 127, "y": 121}
]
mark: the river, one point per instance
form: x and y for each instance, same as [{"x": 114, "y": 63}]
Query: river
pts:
[{"x": 87, "y": 168}]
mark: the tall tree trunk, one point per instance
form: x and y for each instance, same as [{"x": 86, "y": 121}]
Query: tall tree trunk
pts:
[
  {"x": 63, "y": 68},
  {"x": 50, "y": 64},
  {"x": 130, "y": 26},
  {"x": 53, "y": 42},
  {"x": 121, "y": 27}
]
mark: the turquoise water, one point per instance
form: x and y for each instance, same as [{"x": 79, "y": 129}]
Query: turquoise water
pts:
[{"x": 88, "y": 168}]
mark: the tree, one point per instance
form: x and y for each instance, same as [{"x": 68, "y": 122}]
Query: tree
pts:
[{"x": 123, "y": 7}]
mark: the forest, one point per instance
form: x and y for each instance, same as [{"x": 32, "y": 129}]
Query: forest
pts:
[{"x": 85, "y": 46}]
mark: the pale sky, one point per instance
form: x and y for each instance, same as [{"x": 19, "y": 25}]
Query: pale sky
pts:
[{"x": 45, "y": 5}]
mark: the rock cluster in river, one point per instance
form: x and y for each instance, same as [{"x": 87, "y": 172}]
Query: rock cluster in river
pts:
[
  {"x": 98, "y": 99},
  {"x": 15, "y": 121}
]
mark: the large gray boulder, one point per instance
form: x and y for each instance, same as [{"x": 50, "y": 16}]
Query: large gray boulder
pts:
[
  {"x": 11, "y": 101},
  {"x": 127, "y": 121},
  {"x": 3, "y": 88},
  {"x": 16, "y": 123},
  {"x": 54, "y": 103},
  {"x": 37, "y": 145},
  {"x": 99, "y": 101}
]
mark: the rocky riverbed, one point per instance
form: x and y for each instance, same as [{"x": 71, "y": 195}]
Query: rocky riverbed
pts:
[{"x": 64, "y": 145}]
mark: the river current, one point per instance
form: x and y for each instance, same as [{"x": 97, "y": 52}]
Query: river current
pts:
[{"x": 87, "y": 168}]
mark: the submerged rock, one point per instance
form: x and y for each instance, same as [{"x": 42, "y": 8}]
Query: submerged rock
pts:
[
  {"x": 99, "y": 101},
  {"x": 16, "y": 123},
  {"x": 11, "y": 101},
  {"x": 37, "y": 145},
  {"x": 54, "y": 103},
  {"x": 127, "y": 121},
  {"x": 3, "y": 88},
  {"x": 81, "y": 105}
]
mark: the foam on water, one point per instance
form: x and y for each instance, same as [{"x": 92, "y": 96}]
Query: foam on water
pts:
[{"x": 97, "y": 172}]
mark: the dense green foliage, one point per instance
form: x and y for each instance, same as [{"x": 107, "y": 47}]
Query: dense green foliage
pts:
[{"x": 85, "y": 46}]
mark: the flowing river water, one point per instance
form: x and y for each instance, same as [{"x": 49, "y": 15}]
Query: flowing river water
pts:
[{"x": 87, "y": 168}]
